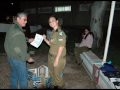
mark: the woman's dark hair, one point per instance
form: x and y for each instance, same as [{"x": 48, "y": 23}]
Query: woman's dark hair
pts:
[
  {"x": 54, "y": 17},
  {"x": 91, "y": 33}
]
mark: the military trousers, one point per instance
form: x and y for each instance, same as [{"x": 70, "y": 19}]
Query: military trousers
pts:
[
  {"x": 78, "y": 51},
  {"x": 56, "y": 73}
]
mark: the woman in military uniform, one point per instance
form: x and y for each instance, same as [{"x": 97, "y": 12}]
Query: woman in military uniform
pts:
[{"x": 57, "y": 53}]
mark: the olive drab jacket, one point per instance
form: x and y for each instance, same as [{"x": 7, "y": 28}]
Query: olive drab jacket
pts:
[
  {"x": 15, "y": 43},
  {"x": 58, "y": 38}
]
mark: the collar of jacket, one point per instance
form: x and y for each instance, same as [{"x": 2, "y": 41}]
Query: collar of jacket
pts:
[
  {"x": 17, "y": 25},
  {"x": 58, "y": 29}
]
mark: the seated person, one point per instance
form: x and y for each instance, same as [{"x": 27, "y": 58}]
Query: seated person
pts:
[{"x": 85, "y": 45}]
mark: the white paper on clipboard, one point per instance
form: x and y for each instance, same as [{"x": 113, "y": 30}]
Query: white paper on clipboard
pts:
[{"x": 37, "y": 41}]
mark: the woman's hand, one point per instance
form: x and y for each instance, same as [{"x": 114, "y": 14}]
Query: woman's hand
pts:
[
  {"x": 45, "y": 39},
  {"x": 44, "y": 36},
  {"x": 30, "y": 40}
]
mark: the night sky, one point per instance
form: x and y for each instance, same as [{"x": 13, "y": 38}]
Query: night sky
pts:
[{"x": 8, "y": 8}]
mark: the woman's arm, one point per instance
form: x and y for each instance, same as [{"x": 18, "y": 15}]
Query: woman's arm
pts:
[
  {"x": 60, "y": 49},
  {"x": 46, "y": 40},
  {"x": 89, "y": 41}
]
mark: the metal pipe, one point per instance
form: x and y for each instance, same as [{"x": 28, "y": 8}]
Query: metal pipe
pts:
[{"x": 109, "y": 31}]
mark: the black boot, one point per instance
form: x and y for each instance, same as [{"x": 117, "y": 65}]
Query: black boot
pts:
[{"x": 55, "y": 87}]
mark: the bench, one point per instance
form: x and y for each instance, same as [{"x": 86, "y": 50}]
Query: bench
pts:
[{"x": 90, "y": 60}]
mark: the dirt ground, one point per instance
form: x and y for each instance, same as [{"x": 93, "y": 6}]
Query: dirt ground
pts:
[{"x": 75, "y": 75}]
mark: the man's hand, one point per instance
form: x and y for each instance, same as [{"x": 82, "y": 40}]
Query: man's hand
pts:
[
  {"x": 30, "y": 60},
  {"x": 30, "y": 40}
]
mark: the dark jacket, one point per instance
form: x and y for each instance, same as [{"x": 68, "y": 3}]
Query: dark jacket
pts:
[{"x": 15, "y": 43}]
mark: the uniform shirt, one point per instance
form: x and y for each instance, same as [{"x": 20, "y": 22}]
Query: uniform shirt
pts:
[
  {"x": 15, "y": 43},
  {"x": 58, "y": 38},
  {"x": 87, "y": 42}
]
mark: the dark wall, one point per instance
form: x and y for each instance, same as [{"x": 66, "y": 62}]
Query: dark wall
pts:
[
  {"x": 8, "y": 8},
  {"x": 74, "y": 18},
  {"x": 116, "y": 18}
]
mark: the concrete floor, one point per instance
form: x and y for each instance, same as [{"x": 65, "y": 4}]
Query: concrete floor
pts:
[{"x": 75, "y": 75}]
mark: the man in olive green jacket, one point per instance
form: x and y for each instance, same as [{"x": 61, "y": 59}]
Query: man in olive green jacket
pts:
[{"x": 16, "y": 49}]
